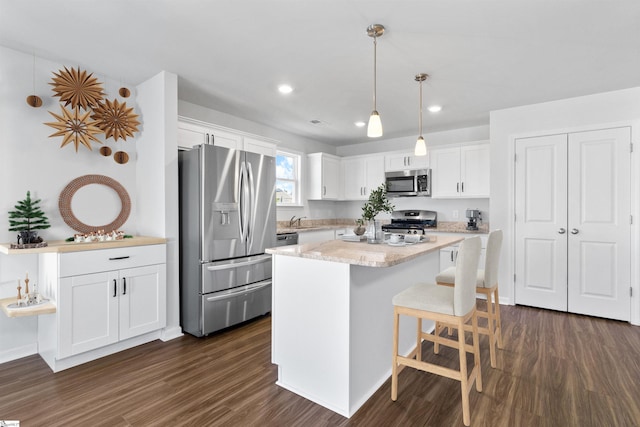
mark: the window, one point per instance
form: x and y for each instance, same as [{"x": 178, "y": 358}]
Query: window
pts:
[{"x": 287, "y": 179}]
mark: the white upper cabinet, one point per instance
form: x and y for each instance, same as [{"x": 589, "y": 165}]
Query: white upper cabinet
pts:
[
  {"x": 324, "y": 176},
  {"x": 190, "y": 134},
  {"x": 405, "y": 161},
  {"x": 361, "y": 175},
  {"x": 259, "y": 146},
  {"x": 460, "y": 171},
  {"x": 193, "y": 132}
]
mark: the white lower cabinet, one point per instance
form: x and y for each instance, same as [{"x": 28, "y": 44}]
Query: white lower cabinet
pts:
[
  {"x": 123, "y": 298},
  {"x": 449, "y": 255},
  {"x": 312, "y": 236}
]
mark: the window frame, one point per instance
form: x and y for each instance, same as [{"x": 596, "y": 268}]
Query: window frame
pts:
[{"x": 297, "y": 202}]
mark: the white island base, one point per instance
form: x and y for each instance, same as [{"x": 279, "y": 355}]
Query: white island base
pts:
[{"x": 333, "y": 320}]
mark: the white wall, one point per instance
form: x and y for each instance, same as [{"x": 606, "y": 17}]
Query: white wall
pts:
[
  {"x": 157, "y": 184},
  {"x": 582, "y": 113},
  {"x": 31, "y": 160}
]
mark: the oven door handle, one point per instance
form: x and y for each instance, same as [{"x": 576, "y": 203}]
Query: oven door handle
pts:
[
  {"x": 241, "y": 290},
  {"x": 227, "y": 266}
]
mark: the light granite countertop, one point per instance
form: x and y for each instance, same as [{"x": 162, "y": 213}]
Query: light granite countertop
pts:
[{"x": 363, "y": 253}]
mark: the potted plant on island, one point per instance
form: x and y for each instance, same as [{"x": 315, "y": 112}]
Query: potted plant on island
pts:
[
  {"x": 26, "y": 219},
  {"x": 378, "y": 202}
]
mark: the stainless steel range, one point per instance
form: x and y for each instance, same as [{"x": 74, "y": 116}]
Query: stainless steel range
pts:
[{"x": 411, "y": 222}]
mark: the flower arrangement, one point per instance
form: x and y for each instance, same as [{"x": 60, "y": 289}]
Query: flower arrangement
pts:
[{"x": 378, "y": 202}]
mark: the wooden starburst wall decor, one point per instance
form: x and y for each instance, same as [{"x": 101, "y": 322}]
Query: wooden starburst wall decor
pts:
[
  {"x": 75, "y": 127},
  {"x": 77, "y": 87},
  {"x": 90, "y": 113},
  {"x": 115, "y": 119}
]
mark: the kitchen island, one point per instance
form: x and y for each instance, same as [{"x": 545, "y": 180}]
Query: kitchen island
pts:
[{"x": 332, "y": 321}]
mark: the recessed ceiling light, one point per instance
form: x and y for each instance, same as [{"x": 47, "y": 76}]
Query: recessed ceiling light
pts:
[
  {"x": 360, "y": 124},
  {"x": 285, "y": 89},
  {"x": 434, "y": 108}
]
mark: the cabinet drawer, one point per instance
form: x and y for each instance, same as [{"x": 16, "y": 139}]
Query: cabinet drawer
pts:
[{"x": 75, "y": 263}]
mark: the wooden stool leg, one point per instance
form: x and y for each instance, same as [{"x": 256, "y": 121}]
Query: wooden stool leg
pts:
[
  {"x": 476, "y": 349},
  {"x": 466, "y": 418},
  {"x": 436, "y": 345},
  {"x": 498, "y": 321},
  {"x": 491, "y": 327},
  {"x": 450, "y": 330},
  {"x": 394, "y": 367},
  {"x": 419, "y": 340}
]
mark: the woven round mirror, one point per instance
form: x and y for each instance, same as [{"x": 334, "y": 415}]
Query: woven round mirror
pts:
[{"x": 66, "y": 196}]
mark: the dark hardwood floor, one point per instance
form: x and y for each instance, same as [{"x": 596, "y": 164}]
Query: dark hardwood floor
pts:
[{"x": 556, "y": 369}]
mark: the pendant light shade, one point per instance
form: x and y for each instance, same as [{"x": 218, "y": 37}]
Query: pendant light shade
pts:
[
  {"x": 421, "y": 146},
  {"x": 374, "y": 129}
]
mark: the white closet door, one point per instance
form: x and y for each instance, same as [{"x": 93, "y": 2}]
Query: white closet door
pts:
[
  {"x": 541, "y": 222},
  {"x": 599, "y": 262}
]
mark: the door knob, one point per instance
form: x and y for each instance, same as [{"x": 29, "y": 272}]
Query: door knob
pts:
[
  {"x": 574, "y": 231},
  {"x": 562, "y": 231}
]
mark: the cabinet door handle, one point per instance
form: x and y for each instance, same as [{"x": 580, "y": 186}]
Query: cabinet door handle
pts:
[
  {"x": 451, "y": 256},
  {"x": 119, "y": 257},
  {"x": 457, "y": 187},
  {"x": 463, "y": 187},
  {"x": 364, "y": 193},
  {"x": 324, "y": 190},
  {"x": 115, "y": 288},
  {"x": 574, "y": 231},
  {"x": 408, "y": 161},
  {"x": 124, "y": 286}
]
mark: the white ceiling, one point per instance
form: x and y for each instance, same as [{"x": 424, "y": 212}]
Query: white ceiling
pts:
[{"x": 230, "y": 55}]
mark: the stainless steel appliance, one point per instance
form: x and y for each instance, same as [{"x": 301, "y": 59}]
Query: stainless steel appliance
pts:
[
  {"x": 227, "y": 219},
  {"x": 473, "y": 216},
  {"x": 285, "y": 239},
  {"x": 408, "y": 183},
  {"x": 411, "y": 221}
]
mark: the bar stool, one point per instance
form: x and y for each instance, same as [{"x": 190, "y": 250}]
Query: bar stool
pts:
[
  {"x": 454, "y": 306},
  {"x": 486, "y": 284}
]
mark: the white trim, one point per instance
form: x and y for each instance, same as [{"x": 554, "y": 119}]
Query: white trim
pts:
[
  {"x": 170, "y": 333},
  {"x": 18, "y": 352}
]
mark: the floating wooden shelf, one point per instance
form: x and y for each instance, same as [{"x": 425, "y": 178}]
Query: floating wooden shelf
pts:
[{"x": 46, "y": 308}]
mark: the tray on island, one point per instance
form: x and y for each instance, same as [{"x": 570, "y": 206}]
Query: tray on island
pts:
[{"x": 353, "y": 238}]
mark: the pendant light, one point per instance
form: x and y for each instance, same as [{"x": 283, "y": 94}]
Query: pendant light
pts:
[
  {"x": 374, "y": 129},
  {"x": 421, "y": 147}
]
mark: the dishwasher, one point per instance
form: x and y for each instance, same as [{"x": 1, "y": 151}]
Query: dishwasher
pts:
[{"x": 285, "y": 239}]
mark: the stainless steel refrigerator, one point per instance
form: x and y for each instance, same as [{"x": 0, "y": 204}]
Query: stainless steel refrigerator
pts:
[{"x": 227, "y": 219}]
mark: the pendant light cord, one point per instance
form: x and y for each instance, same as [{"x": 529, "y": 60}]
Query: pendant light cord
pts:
[
  {"x": 420, "y": 118},
  {"x": 375, "y": 74}
]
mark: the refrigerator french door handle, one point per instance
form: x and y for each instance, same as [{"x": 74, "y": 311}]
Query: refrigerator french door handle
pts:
[
  {"x": 242, "y": 218},
  {"x": 252, "y": 202}
]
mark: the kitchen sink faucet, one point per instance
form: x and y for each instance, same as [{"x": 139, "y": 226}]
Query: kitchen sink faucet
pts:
[{"x": 293, "y": 221}]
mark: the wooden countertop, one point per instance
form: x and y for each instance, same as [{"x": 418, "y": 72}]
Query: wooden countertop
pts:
[
  {"x": 46, "y": 308},
  {"x": 363, "y": 253},
  {"x": 61, "y": 246}
]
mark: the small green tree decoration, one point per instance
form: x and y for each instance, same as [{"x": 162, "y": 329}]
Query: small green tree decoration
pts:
[
  {"x": 27, "y": 217},
  {"x": 377, "y": 203}
]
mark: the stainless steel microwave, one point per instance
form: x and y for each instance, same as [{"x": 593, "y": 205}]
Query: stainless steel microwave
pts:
[{"x": 415, "y": 182}]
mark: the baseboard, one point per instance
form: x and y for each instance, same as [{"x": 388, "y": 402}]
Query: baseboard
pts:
[
  {"x": 18, "y": 352},
  {"x": 170, "y": 332}
]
